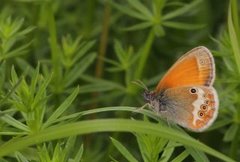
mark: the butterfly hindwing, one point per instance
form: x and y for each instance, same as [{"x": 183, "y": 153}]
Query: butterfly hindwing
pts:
[{"x": 193, "y": 107}]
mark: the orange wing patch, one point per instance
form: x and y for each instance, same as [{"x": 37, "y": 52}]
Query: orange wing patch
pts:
[
  {"x": 204, "y": 119},
  {"x": 194, "y": 68}
]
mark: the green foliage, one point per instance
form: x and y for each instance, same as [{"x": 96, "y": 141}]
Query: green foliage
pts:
[
  {"x": 11, "y": 33},
  {"x": 230, "y": 42},
  {"x": 60, "y": 153},
  {"x": 65, "y": 65}
]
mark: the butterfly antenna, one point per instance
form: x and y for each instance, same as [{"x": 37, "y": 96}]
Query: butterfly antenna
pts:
[{"x": 140, "y": 84}]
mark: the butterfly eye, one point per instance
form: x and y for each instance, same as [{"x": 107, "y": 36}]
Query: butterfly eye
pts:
[
  {"x": 193, "y": 90},
  {"x": 201, "y": 114},
  {"x": 204, "y": 107}
]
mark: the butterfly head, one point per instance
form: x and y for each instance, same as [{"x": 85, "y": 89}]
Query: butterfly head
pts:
[
  {"x": 158, "y": 101},
  {"x": 149, "y": 95},
  {"x": 152, "y": 99}
]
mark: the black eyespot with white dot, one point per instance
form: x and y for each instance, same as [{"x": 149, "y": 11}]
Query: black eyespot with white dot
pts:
[
  {"x": 201, "y": 114},
  {"x": 204, "y": 107},
  {"x": 193, "y": 90}
]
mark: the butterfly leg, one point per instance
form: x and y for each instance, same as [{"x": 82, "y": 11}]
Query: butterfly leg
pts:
[{"x": 142, "y": 107}]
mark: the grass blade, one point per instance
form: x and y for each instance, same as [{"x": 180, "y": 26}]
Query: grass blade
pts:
[{"x": 107, "y": 125}]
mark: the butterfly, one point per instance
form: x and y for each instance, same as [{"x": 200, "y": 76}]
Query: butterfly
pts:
[{"x": 185, "y": 95}]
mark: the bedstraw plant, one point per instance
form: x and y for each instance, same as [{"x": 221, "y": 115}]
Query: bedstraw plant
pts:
[{"x": 67, "y": 74}]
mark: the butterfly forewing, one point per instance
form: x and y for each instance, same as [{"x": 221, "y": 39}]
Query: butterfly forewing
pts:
[{"x": 195, "y": 67}]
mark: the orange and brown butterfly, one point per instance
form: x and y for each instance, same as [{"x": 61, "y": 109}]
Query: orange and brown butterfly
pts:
[{"x": 185, "y": 94}]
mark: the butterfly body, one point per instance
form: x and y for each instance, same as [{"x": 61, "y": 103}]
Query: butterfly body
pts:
[{"x": 185, "y": 94}]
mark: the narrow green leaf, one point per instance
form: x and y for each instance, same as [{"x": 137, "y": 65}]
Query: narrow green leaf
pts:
[
  {"x": 183, "y": 26},
  {"x": 14, "y": 26},
  {"x": 181, "y": 157},
  {"x": 35, "y": 78},
  {"x": 70, "y": 46},
  {"x": 62, "y": 108},
  {"x": 58, "y": 154},
  {"x": 128, "y": 11},
  {"x": 71, "y": 141},
  {"x": 42, "y": 90},
  {"x": 5, "y": 133},
  {"x": 79, "y": 154},
  {"x": 140, "y": 8},
  {"x": 15, "y": 123},
  {"x": 20, "y": 157},
  {"x": 113, "y": 62},
  {"x": 140, "y": 26},
  {"x": 16, "y": 52},
  {"x": 113, "y": 160},
  {"x": 11, "y": 91},
  {"x": 119, "y": 51},
  {"x": 231, "y": 133},
  {"x": 43, "y": 153},
  {"x": 150, "y": 146},
  {"x": 83, "y": 51},
  {"x": 14, "y": 76},
  {"x": 99, "y": 110},
  {"x": 142, "y": 146},
  {"x": 25, "y": 31},
  {"x": 168, "y": 151},
  {"x": 78, "y": 69},
  {"x": 157, "y": 7},
  {"x": 182, "y": 10},
  {"x": 197, "y": 155},
  {"x": 123, "y": 150}
]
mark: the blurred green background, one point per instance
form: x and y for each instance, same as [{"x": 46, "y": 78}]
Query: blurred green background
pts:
[{"x": 68, "y": 65}]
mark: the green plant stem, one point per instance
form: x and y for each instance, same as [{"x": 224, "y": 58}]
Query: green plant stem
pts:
[
  {"x": 54, "y": 48},
  {"x": 144, "y": 55},
  {"x": 103, "y": 40},
  {"x": 102, "y": 46},
  {"x": 106, "y": 125},
  {"x": 234, "y": 6}
]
